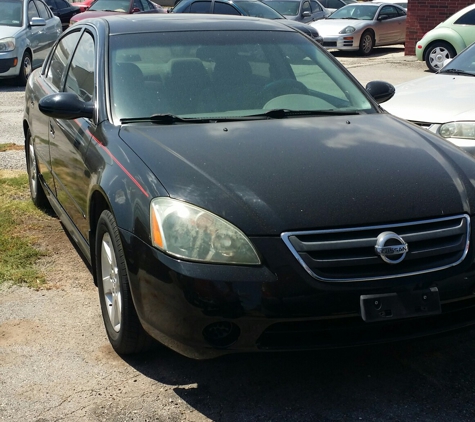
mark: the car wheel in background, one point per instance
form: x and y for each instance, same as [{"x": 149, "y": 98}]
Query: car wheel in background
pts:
[
  {"x": 366, "y": 43},
  {"x": 26, "y": 68},
  {"x": 37, "y": 193},
  {"x": 123, "y": 327},
  {"x": 437, "y": 53}
]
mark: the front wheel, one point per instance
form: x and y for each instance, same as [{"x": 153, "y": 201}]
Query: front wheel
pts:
[
  {"x": 122, "y": 324},
  {"x": 26, "y": 68},
  {"x": 366, "y": 43},
  {"x": 437, "y": 54}
]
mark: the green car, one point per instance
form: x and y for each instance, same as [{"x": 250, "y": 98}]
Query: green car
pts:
[{"x": 447, "y": 39}]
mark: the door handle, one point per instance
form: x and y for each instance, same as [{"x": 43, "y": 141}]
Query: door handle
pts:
[{"x": 51, "y": 129}]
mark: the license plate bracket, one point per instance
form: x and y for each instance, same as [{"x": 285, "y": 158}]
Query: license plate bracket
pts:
[{"x": 389, "y": 306}]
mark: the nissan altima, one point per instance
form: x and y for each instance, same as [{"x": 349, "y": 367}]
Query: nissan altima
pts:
[{"x": 234, "y": 189}]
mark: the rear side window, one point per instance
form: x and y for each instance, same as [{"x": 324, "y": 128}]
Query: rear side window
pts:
[
  {"x": 467, "y": 19},
  {"x": 43, "y": 10}
]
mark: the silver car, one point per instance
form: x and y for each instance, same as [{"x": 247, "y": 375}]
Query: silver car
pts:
[
  {"x": 28, "y": 30},
  {"x": 442, "y": 102},
  {"x": 362, "y": 26}
]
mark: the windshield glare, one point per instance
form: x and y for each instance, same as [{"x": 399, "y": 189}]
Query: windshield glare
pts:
[
  {"x": 289, "y": 8},
  {"x": 11, "y": 13},
  {"x": 225, "y": 74},
  {"x": 355, "y": 11}
]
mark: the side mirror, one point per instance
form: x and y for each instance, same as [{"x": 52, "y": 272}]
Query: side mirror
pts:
[
  {"x": 306, "y": 14},
  {"x": 381, "y": 91},
  {"x": 37, "y": 22},
  {"x": 136, "y": 10},
  {"x": 383, "y": 17},
  {"x": 65, "y": 105}
]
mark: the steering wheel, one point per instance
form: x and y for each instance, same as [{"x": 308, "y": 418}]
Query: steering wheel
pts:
[{"x": 281, "y": 87}]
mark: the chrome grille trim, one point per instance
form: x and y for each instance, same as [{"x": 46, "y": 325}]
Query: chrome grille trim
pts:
[{"x": 322, "y": 251}]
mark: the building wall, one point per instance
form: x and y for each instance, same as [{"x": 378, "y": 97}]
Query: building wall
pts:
[{"x": 423, "y": 15}]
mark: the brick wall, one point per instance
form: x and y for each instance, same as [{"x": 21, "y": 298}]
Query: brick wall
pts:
[{"x": 423, "y": 15}]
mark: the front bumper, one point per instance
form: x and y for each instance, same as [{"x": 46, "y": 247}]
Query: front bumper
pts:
[
  {"x": 204, "y": 311},
  {"x": 349, "y": 42},
  {"x": 9, "y": 65}
]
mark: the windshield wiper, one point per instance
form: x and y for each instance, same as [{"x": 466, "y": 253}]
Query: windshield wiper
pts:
[
  {"x": 281, "y": 113},
  {"x": 457, "y": 72},
  {"x": 169, "y": 119},
  {"x": 164, "y": 119}
]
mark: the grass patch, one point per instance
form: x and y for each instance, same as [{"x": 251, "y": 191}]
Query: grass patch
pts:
[
  {"x": 18, "y": 220},
  {"x": 11, "y": 147}
]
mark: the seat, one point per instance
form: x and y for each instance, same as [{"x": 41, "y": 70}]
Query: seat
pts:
[
  {"x": 233, "y": 87},
  {"x": 130, "y": 94},
  {"x": 188, "y": 79}
]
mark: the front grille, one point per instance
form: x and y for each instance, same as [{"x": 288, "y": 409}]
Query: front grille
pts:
[
  {"x": 352, "y": 330},
  {"x": 329, "y": 43},
  {"x": 349, "y": 254}
]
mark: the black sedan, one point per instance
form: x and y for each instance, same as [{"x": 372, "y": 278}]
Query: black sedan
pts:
[
  {"x": 63, "y": 10},
  {"x": 254, "y": 8},
  {"x": 234, "y": 189}
]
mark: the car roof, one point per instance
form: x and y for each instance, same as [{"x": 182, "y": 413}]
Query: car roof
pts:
[{"x": 179, "y": 22}]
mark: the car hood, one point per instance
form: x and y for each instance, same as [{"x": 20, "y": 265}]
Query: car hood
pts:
[
  {"x": 270, "y": 176},
  {"x": 420, "y": 100},
  {"x": 334, "y": 26},
  {"x": 9, "y": 31}
]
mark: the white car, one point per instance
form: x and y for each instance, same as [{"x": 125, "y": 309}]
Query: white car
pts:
[
  {"x": 362, "y": 26},
  {"x": 28, "y": 30},
  {"x": 442, "y": 102}
]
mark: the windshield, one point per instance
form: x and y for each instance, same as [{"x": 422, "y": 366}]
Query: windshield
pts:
[
  {"x": 11, "y": 13},
  {"x": 355, "y": 11},
  {"x": 464, "y": 62},
  {"x": 226, "y": 74},
  {"x": 258, "y": 9},
  {"x": 111, "y": 5},
  {"x": 289, "y": 8}
]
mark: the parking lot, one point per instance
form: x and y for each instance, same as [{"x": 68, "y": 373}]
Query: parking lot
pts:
[{"x": 56, "y": 363}]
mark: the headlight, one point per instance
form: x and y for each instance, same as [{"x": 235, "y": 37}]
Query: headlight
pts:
[
  {"x": 7, "y": 44},
  {"x": 347, "y": 30},
  {"x": 463, "y": 130},
  {"x": 192, "y": 233}
]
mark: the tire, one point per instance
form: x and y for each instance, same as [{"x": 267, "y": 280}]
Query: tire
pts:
[
  {"x": 26, "y": 68},
  {"x": 37, "y": 193},
  {"x": 437, "y": 53},
  {"x": 122, "y": 324},
  {"x": 366, "y": 43}
]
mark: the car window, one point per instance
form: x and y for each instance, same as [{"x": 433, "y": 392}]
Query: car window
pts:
[
  {"x": 286, "y": 7},
  {"x": 80, "y": 77},
  {"x": 200, "y": 7},
  {"x": 258, "y": 9},
  {"x": 355, "y": 11},
  {"x": 467, "y": 19},
  {"x": 62, "y": 4},
  {"x": 43, "y": 10},
  {"x": 389, "y": 11},
  {"x": 60, "y": 58},
  {"x": 306, "y": 7},
  {"x": 32, "y": 11},
  {"x": 225, "y": 9},
  {"x": 115, "y": 5},
  {"x": 334, "y": 4},
  {"x": 315, "y": 6}
]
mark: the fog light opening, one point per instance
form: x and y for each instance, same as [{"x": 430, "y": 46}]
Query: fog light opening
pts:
[{"x": 221, "y": 334}]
